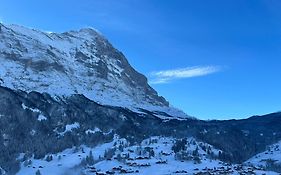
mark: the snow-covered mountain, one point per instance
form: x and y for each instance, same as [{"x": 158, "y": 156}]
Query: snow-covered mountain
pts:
[
  {"x": 70, "y": 103},
  {"x": 74, "y": 62}
]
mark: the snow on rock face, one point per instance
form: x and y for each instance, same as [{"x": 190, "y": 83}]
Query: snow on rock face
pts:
[
  {"x": 74, "y": 62},
  {"x": 33, "y": 110},
  {"x": 41, "y": 117}
]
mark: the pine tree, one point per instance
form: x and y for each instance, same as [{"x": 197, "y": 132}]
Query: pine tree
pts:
[
  {"x": 196, "y": 152},
  {"x": 49, "y": 158},
  {"x": 90, "y": 158},
  {"x": 119, "y": 158},
  {"x": 38, "y": 172}
]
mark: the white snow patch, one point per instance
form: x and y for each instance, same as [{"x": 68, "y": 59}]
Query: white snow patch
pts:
[
  {"x": 70, "y": 127},
  {"x": 32, "y": 132},
  {"x": 41, "y": 117},
  {"x": 32, "y": 109},
  {"x": 89, "y": 131}
]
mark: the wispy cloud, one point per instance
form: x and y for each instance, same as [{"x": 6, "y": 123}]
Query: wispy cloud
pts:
[{"x": 167, "y": 76}]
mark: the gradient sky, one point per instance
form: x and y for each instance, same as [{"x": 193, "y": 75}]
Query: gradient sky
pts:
[{"x": 223, "y": 56}]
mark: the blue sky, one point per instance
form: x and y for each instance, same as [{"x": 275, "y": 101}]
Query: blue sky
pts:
[{"x": 213, "y": 59}]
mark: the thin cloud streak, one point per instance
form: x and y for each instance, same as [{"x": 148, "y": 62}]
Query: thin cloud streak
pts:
[{"x": 167, "y": 76}]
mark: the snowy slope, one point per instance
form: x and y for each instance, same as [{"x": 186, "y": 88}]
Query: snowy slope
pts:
[
  {"x": 272, "y": 153},
  {"x": 74, "y": 62},
  {"x": 135, "y": 160}
]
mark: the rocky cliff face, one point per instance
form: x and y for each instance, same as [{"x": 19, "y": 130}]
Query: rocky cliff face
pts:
[{"x": 74, "y": 62}]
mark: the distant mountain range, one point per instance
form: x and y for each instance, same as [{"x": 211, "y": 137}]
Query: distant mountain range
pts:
[{"x": 70, "y": 103}]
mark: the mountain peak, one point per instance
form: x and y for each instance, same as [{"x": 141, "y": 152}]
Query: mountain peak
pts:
[
  {"x": 90, "y": 30},
  {"x": 87, "y": 33},
  {"x": 75, "y": 62}
]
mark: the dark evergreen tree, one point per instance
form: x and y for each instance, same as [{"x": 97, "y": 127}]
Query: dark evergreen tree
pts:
[{"x": 38, "y": 172}]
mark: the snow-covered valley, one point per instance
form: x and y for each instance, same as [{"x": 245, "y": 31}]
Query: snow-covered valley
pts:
[{"x": 155, "y": 155}]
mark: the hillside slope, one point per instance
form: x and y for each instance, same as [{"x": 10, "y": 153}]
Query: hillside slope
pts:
[{"x": 34, "y": 125}]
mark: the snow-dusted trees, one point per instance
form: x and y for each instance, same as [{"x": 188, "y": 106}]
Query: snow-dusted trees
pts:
[
  {"x": 90, "y": 158},
  {"x": 179, "y": 145},
  {"x": 109, "y": 153},
  {"x": 49, "y": 158}
]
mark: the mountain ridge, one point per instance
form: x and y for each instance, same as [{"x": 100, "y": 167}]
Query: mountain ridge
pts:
[{"x": 84, "y": 60}]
